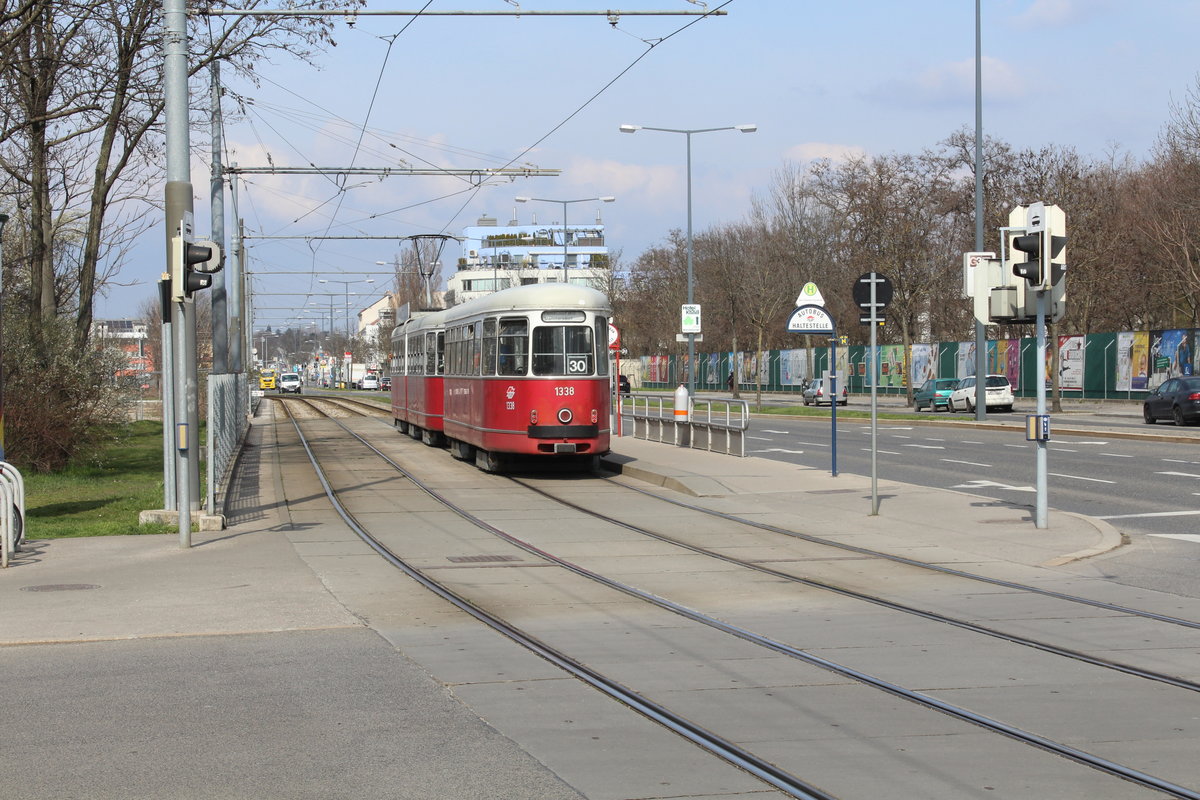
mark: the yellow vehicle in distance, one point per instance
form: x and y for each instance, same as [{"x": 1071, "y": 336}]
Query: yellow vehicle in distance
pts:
[{"x": 266, "y": 379}]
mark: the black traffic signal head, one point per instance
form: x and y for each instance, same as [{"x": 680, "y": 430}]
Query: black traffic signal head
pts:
[
  {"x": 192, "y": 265},
  {"x": 1031, "y": 268}
]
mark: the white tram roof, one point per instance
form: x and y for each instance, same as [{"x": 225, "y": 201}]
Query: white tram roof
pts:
[{"x": 533, "y": 297}]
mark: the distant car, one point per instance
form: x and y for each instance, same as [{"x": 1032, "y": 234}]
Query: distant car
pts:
[
  {"x": 817, "y": 392},
  {"x": 369, "y": 382},
  {"x": 385, "y": 382},
  {"x": 623, "y": 385},
  {"x": 289, "y": 382},
  {"x": 1176, "y": 399},
  {"x": 998, "y": 394},
  {"x": 934, "y": 394}
]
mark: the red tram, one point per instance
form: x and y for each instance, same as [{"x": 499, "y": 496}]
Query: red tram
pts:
[{"x": 522, "y": 371}]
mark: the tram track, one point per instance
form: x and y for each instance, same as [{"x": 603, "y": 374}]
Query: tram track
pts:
[{"x": 764, "y": 769}]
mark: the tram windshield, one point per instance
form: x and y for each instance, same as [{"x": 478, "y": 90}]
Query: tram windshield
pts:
[{"x": 563, "y": 350}]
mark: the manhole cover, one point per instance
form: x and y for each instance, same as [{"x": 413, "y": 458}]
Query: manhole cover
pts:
[{"x": 60, "y": 587}]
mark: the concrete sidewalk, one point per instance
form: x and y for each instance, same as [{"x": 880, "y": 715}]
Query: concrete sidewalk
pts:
[{"x": 138, "y": 669}]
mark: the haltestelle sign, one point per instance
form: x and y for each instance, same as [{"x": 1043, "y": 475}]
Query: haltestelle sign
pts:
[{"x": 810, "y": 319}]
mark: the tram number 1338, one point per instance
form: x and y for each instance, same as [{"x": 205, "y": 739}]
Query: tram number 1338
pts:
[{"x": 564, "y": 391}]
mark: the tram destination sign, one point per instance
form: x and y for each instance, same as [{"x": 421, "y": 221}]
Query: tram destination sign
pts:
[{"x": 810, "y": 319}]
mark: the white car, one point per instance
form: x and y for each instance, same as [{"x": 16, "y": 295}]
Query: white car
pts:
[
  {"x": 999, "y": 394},
  {"x": 369, "y": 382},
  {"x": 289, "y": 382}
]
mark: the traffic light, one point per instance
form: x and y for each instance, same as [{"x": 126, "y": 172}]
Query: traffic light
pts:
[
  {"x": 1031, "y": 268},
  {"x": 1044, "y": 242},
  {"x": 192, "y": 266}
]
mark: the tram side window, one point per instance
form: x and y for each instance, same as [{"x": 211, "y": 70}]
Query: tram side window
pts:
[
  {"x": 440, "y": 348},
  {"x": 489, "y": 346},
  {"x": 428, "y": 353},
  {"x": 475, "y": 343},
  {"x": 514, "y": 346},
  {"x": 601, "y": 344},
  {"x": 563, "y": 350}
]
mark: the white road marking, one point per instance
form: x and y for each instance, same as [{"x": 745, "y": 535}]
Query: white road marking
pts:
[
  {"x": 768, "y": 430},
  {"x": 1117, "y": 455},
  {"x": 925, "y": 446},
  {"x": 1091, "y": 442},
  {"x": 1187, "y": 537},
  {"x": 1064, "y": 450},
  {"x": 888, "y": 452},
  {"x": 779, "y": 450},
  {"x": 761, "y": 438},
  {"x": 968, "y": 463},
  {"x": 1155, "y": 514},
  {"x": 1079, "y": 478},
  {"x": 1178, "y": 474},
  {"x": 987, "y": 484}
]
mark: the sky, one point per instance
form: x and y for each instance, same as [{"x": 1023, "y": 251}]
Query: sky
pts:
[{"x": 820, "y": 80}]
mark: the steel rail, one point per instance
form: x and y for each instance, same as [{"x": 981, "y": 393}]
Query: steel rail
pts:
[
  {"x": 912, "y": 562},
  {"x": 710, "y": 741},
  {"x": 1011, "y": 731},
  {"x": 933, "y": 616}
]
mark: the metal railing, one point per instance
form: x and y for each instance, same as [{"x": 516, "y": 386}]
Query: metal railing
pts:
[
  {"x": 12, "y": 511},
  {"x": 229, "y": 413},
  {"x": 716, "y": 425}
]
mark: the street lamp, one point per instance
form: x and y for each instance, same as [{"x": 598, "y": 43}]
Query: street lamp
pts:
[
  {"x": 690, "y": 279},
  {"x": 346, "y": 286},
  {"x": 564, "y": 205}
]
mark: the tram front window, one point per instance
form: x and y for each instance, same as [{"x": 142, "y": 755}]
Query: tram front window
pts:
[{"x": 563, "y": 350}]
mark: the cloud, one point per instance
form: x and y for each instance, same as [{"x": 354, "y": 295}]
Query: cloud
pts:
[
  {"x": 952, "y": 84},
  {"x": 1060, "y": 13},
  {"x": 813, "y": 151}
]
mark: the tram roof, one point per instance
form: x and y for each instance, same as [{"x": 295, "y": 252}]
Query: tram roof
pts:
[{"x": 533, "y": 297}]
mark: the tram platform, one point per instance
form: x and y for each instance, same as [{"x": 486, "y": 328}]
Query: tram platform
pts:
[{"x": 248, "y": 666}]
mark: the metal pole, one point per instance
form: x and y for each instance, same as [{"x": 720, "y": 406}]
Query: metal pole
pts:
[
  {"x": 833, "y": 395},
  {"x": 874, "y": 404},
  {"x": 565, "y": 279},
  {"x": 220, "y": 324},
  {"x": 690, "y": 275},
  {"x": 1040, "y": 520},
  {"x": 3, "y": 222},
  {"x": 233, "y": 285},
  {"x": 980, "y": 329},
  {"x": 178, "y": 197}
]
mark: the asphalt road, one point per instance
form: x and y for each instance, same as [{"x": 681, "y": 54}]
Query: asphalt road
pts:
[{"x": 1148, "y": 490}]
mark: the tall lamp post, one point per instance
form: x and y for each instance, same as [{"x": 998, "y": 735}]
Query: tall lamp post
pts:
[
  {"x": 346, "y": 286},
  {"x": 3, "y": 222},
  {"x": 690, "y": 276},
  {"x": 564, "y": 205}
]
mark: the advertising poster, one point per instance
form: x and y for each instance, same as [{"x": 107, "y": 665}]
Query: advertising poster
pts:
[
  {"x": 966, "y": 359},
  {"x": 793, "y": 367},
  {"x": 1124, "y": 381},
  {"x": 1170, "y": 355},
  {"x": 891, "y": 366},
  {"x": 1070, "y": 362},
  {"x": 1140, "y": 358},
  {"x": 712, "y": 367},
  {"x": 924, "y": 363}
]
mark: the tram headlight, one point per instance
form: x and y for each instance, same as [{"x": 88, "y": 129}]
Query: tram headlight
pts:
[{"x": 564, "y": 415}]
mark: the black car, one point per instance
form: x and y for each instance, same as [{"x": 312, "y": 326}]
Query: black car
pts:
[
  {"x": 623, "y": 385},
  {"x": 1176, "y": 399}
]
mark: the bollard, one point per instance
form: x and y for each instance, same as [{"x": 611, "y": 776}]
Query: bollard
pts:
[{"x": 681, "y": 404}]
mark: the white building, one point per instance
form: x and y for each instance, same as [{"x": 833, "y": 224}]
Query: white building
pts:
[{"x": 496, "y": 257}]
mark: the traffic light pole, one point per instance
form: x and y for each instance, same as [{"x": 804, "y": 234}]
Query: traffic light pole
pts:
[
  {"x": 178, "y": 197},
  {"x": 1041, "y": 515}
]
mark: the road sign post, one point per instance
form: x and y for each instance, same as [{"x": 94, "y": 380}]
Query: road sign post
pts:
[{"x": 809, "y": 319}]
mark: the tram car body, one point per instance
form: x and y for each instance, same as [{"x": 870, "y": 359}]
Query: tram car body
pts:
[
  {"x": 418, "y": 367},
  {"x": 525, "y": 371}
]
